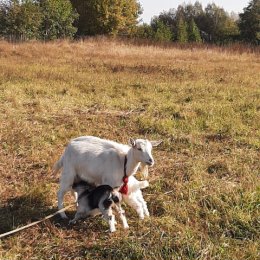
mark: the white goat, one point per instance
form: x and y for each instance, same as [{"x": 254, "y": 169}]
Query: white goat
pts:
[
  {"x": 99, "y": 161},
  {"x": 134, "y": 197}
]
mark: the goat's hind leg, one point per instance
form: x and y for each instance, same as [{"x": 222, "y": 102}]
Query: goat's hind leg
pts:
[
  {"x": 122, "y": 216},
  {"x": 133, "y": 202},
  {"x": 144, "y": 205},
  {"x": 66, "y": 183}
]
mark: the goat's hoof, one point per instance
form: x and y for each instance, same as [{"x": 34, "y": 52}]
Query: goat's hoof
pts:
[
  {"x": 64, "y": 216},
  {"x": 141, "y": 217},
  {"x": 126, "y": 227}
]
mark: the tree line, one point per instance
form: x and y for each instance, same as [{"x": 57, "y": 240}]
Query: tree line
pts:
[
  {"x": 192, "y": 23},
  {"x": 55, "y": 19}
]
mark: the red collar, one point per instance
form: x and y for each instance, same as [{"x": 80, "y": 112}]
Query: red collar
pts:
[{"x": 124, "y": 188}]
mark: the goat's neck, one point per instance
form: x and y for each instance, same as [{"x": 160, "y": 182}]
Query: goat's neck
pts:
[{"x": 132, "y": 164}]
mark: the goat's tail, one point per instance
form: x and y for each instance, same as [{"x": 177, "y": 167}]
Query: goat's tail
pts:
[{"x": 58, "y": 165}]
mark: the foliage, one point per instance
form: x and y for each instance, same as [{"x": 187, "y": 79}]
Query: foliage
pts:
[
  {"x": 20, "y": 19},
  {"x": 58, "y": 18},
  {"x": 218, "y": 24},
  {"x": 212, "y": 23},
  {"x": 53, "y": 19},
  {"x": 107, "y": 16},
  {"x": 37, "y": 19},
  {"x": 161, "y": 31},
  {"x": 249, "y": 23},
  {"x": 143, "y": 31},
  {"x": 182, "y": 31},
  {"x": 193, "y": 32}
]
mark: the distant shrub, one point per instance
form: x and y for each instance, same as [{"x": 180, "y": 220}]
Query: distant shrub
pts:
[
  {"x": 144, "y": 31},
  {"x": 157, "y": 31},
  {"x": 161, "y": 31}
]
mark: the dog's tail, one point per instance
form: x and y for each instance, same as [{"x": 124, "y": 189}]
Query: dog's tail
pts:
[
  {"x": 58, "y": 165},
  {"x": 82, "y": 187}
]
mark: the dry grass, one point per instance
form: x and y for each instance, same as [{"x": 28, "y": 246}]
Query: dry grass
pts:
[{"x": 203, "y": 103}]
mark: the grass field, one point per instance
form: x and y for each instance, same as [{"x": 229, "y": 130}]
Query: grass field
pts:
[{"x": 204, "y": 104}]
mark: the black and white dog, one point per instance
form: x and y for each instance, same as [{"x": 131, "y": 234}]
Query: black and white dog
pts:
[{"x": 95, "y": 200}]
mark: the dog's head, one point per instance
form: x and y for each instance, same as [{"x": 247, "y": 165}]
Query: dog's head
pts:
[{"x": 116, "y": 195}]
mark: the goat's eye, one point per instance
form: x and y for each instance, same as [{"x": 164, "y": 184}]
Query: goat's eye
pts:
[{"x": 140, "y": 149}]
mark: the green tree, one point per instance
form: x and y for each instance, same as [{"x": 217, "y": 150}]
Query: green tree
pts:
[
  {"x": 219, "y": 24},
  {"x": 143, "y": 31},
  {"x": 213, "y": 23},
  {"x": 161, "y": 31},
  {"x": 107, "y": 16},
  {"x": 58, "y": 19},
  {"x": 20, "y": 19},
  {"x": 182, "y": 31},
  {"x": 193, "y": 32},
  {"x": 37, "y": 19},
  {"x": 249, "y": 23}
]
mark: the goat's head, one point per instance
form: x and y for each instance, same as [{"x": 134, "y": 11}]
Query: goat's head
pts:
[{"x": 143, "y": 150}]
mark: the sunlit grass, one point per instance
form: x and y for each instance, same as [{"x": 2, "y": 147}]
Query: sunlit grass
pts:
[{"x": 203, "y": 103}]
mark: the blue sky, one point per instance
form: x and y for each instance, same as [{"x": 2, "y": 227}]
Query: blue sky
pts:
[{"x": 154, "y": 7}]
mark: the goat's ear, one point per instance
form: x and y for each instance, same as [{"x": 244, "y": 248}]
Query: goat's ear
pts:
[
  {"x": 132, "y": 142},
  {"x": 156, "y": 143}
]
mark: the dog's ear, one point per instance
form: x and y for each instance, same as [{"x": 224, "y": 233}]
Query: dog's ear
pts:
[{"x": 116, "y": 189}]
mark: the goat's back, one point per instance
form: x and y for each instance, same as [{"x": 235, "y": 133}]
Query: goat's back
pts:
[
  {"x": 96, "y": 145},
  {"x": 94, "y": 159}
]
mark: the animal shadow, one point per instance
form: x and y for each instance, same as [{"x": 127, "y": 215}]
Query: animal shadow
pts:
[{"x": 20, "y": 211}]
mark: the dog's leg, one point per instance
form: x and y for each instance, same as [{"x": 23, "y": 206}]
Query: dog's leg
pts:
[
  {"x": 108, "y": 215},
  {"x": 110, "y": 218},
  {"x": 78, "y": 215}
]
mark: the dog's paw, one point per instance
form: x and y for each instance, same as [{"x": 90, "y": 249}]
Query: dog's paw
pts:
[
  {"x": 112, "y": 230},
  {"x": 72, "y": 222}
]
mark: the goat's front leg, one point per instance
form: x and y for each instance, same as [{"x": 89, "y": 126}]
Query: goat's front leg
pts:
[{"x": 122, "y": 216}]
